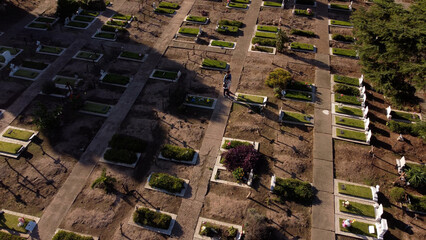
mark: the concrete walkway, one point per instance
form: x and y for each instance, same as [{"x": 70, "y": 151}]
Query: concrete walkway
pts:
[
  {"x": 190, "y": 208},
  {"x": 323, "y": 206}
]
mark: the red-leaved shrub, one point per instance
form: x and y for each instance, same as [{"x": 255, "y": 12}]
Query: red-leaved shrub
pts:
[{"x": 245, "y": 157}]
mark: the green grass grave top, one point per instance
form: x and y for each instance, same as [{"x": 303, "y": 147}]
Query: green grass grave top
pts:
[
  {"x": 9, "y": 221},
  {"x": 116, "y": 79},
  {"x": 89, "y": 13},
  {"x": 302, "y": 33},
  {"x": 8, "y": 236},
  {"x": 78, "y": 24},
  {"x": 350, "y": 122},
  {"x": 341, "y": 23},
  {"x": 168, "y": 5},
  {"x": 177, "y": 153},
  {"x": 345, "y": 52},
  {"x": 18, "y": 134},
  {"x": 8, "y": 147},
  {"x": 230, "y": 23},
  {"x": 222, "y": 44},
  {"x": 353, "y": 135},
  {"x": 241, "y": 1},
  {"x": 83, "y": 19},
  {"x": 189, "y": 31},
  {"x": 302, "y": 46},
  {"x": 26, "y": 74},
  {"x": 132, "y": 55},
  {"x": 348, "y": 110},
  {"x": 267, "y": 28},
  {"x": 164, "y": 10},
  {"x": 339, "y": 6},
  {"x": 346, "y": 80},
  {"x": 296, "y": 117},
  {"x": 304, "y": 96},
  {"x": 266, "y": 35},
  {"x": 13, "y": 51},
  {"x": 250, "y": 98},
  {"x": 214, "y": 63},
  {"x": 228, "y": 144},
  {"x": 165, "y": 74},
  {"x": 405, "y": 116},
  {"x": 355, "y": 190},
  {"x": 147, "y": 217},
  {"x": 196, "y": 18},
  {"x": 237, "y": 5},
  {"x": 45, "y": 20},
  {"x": 272, "y": 4},
  {"x": 303, "y": 12},
  {"x": 357, "y": 208},
  {"x": 49, "y": 49},
  {"x": 38, "y": 25},
  {"x": 34, "y": 65},
  {"x": 358, "y": 227},
  {"x": 120, "y": 16}
]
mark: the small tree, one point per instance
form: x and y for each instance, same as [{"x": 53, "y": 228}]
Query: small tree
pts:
[
  {"x": 279, "y": 78},
  {"x": 245, "y": 157},
  {"x": 282, "y": 39},
  {"x": 104, "y": 182},
  {"x": 66, "y": 8}
]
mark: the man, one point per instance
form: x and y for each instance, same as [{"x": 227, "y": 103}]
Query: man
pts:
[{"x": 227, "y": 83}]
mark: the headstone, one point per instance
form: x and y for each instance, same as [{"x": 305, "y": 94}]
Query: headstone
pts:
[
  {"x": 400, "y": 163},
  {"x": 378, "y": 212},
  {"x": 67, "y": 20},
  {"x": 273, "y": 180},
  {"x": 382, "y": 228},
  {"x": 361, "y": 80},
  {"x": 153, "y": 5},
  {"x": 250, "y": 180},
  {"x": 365, "y": 112},
  {"x": 368, "y": 137},
  {"x": 7, "y": 57},
  {"x": 30, "y": 226},
  {"x": 38, "y": 43},
  {"x": 362, "y": 90},
  {"x": 366, "y": 124},
  {"x": 388, "y": 113}
]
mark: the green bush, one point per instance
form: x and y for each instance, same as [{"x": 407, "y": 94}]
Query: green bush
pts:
[
  {"x": 345, "y": 89},
  {"x": 278, "y": 78},
  {"x": 418, "y": 203},
  {"x": 63, "y": 235},
  {"x": 104, "y": 182},
  {"x": 264, "y": 41},
  {"x": 167, "y": 182},
  {"x": 397, "y": 194},
  {"x": 282, "y": 39},
  {"x": 177, "y": 153},
  {"x": 238, "y": 174},
  {"x": 416, "y": 177},
  {"x": 302, "y": 33},
  {"x": 232, "y": 232},
  {"x": 302, "y": 12},
  {"x": 293, "y": 190},
  {"x": 196, "y": 18},
  {"x": 47, "y": 120},
  {"x": 231, "y": 23},
  {"x": 120, "y": 155},
  {"x": 144, "y": 216},
  {"x": 130, "y": 143}
]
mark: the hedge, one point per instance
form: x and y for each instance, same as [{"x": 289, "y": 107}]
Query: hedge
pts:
[
  {"x": 302, "y": 46},
  {"x": 164, "y": 10},
  {"x": 222, "y": 44},
  {"x": 196, "y": 19},
  {"x": 145, "y": 216},
  {"x": 168, "y": 5},
  {"x": 293, "y": 190},
  {"x": 177, "y": 153},
  {"x": 267, "y": 28},
  {"x": 224, "y": 29},
  {"x": 166, "y": 182},
  {"x": 231, "y": 23},
  {"x": 345, "y": 52}
]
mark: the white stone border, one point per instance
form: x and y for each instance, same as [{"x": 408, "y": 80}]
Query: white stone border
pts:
[
  {"x": 38, "y": 50},
  {"x": 202, "y": 23},
  {"x": 355, "y": 198},
  {"x": 114, "y": 84},
  {"x": 263, "y": 5},
  {"x": 213, "y": 178},
  {"x": 98, "y": 114},
  {"x": 335, "y": 25},
  {"x": 63, "y": 86},
  {"x": 348, "y": 104},
  {"x": 55, "y": 95},
  {"x": 81, "y": 234},
  {"x": 257, "y": 30},
  {"x": 106, "y": 39},
  {"x": 337, "y": 206},
  {"x": 189, "y": 35},
  {"x": 13, "y": 155},
  {"x": 181, "y": 194},
  {"x": 165, "y": 79},
  {"x": 296, "y": 123},
  {"x": 215, "y": 222},
  {"x": 85, "y": 59},
  {"x": 274, "y": 50},
  {"x": 145, "y": 56},
  {"x": 19, "y": 52},
  {"x": 74, "y": 16},
  {"x": 201, "y": 106},
  {"x": 255, "y": 144},
  {"x": 265, "y": 100},
  {"x": 157, "y": 230},
  {"x": 248, "y": 6},
  {"x": 193, "y": 162},
  {"x": 14, "y": 140},
  {"x": 55, "y": 20},
  {"x": 211, "y": 40},
  {"x": 334, "y": 135},
  {"x": 133, "y": 165}
]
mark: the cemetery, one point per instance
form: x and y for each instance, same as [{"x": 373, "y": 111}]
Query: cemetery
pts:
[{"x": 117, "y": 120}]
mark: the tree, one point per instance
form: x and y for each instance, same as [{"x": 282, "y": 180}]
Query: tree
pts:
[
  {"x": 66, "y": 8},
  {"x": 279, "y": 78},
  {"x": 391, "y": 45},
  {"x": 282, "y": 39}
]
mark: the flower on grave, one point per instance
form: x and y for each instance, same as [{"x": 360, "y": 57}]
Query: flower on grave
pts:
[
  {"x": 341, "y": 95},
  {"x": 229, "y": 143}
]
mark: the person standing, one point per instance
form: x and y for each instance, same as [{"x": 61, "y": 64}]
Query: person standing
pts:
[{"x": 227, "y": 83}]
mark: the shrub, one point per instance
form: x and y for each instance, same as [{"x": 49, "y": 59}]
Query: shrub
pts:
[
  {"x": 167, "y": 182},
  {"x": 245, "y": 157},
  {"x": 397, "y": 194},
  {"x": 232, "y": 232},
  {"x": 177, "y": 153},
  {"x": 63, "y": 235},
  {"x": 344, "y": 38},
  {"x": 278, "y": 78},
  {"x": 264, "y": 41},
  {"x": 418, "y": 203},
  {"x": 104, "y": 182},
  {"x": 147, "y": 217},
  {"x": 209, "y": 230},
  {"x": 130, "y": 143},
  {"x": 416, "y": 177},
  {"x": 399, "y": 127},
  {"x": 282, "y": 39},
  {"x": 231, "y": 23},
  {"x": 238, "y": 174},
  {"x": 347, "y": 90},
  {"x": 120, "y": 155},
  {"x": 302, "y": 33},
  {"x": 293, "y": 190},
  {"x": 47, "y": 120}
]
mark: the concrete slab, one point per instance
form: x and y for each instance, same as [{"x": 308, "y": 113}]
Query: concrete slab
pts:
[
  {"x": 320, "y": 234},
  {"x": 322, "y": 78},
  {"x": 323, "y": 175},
  {"x": 323, "y": 148},
  {"x": 323, "y": 98},
  {"x": 323, "y": 211},
  {"x": 323, "y": 119}
]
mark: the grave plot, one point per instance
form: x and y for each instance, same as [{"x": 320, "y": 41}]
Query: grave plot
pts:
[
  {"x": 299, "y": 91},
  {"x": 273, "y": 4},
  {"x": 7, "y": 54},
  {"x": 167, "y": 183},
  {"x": 87, "y": 55},
  {"x": 117, "y": 23},
  {"x": 178, "y": 154},
  {"x": 83, "y": 19},
  {"x": 153, "y": 220},
  {"x": 264, "y": 39},
  {"x": 297, "y": 118},
  {"x": 249, "y": 99},
  {"x": 362, "y": 137},
  {"x": 63, "y": 234},
  {"x": 238, "y": 4},
  {"x": 50, "y": 50},
  {"x": 95, "y": 108},
  {"x": 402, "y": 116},
  {"x": 17, "y": 223},
  {"x": 124, "y": 150},
  {"x": 43, "y": 23},
  {"x": 133, "y": 56},
  {"x": 115, "y": 79},
  {"x": 28, "y": 70},
  {"x": 200, "y": 102},
  {"x": 209, "y": 228}
]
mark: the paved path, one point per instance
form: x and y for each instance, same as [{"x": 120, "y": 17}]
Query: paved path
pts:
[
  {"x": 323, "y": 207},
  {"x": 190, "y": 208}
]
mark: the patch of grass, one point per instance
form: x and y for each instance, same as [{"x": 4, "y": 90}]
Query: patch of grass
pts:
[
  {"x": 196, "y": 19},
  {"x": 302, "y": 12},
  {"x": 266, "y": 35},
  {"x": 147, "y": 217},
  {"x": 49, "y": 49},
  {"x": 214, "y": 63},
  {"x": 356, "y": 191},
  {"x": 358, "y": 227},
  {"x": 132, "y": 55},
  {"x": 26, "y": 74},
  {"x": 177, "y": 153},
  {"x": 120, "y": 156},
  {"x": 357, "y": 208},
  {"x": 231, "y": 23},
  {"x": 95, "y": 107},
  {"x": 189, "y": 31},
  {"x": 343, "y": 38},
  {"x": 405, "y": 116},
  {"x": 353, "y": 100},
  {"x": 203, "y": 101},
  {"x": 224, "y": 29},
  {"x": 272, "y": 4},
  {"x": 44, "y": 20},
  {"x": 63, "y": 235},
  {"x": 349, "y": 111},
  {"x": 264, "y": 41},
  {"x": 88, "y": 55},
  {"x": 18, "y": 134},
  {"x": 250, "y": 98},
  {"x": 346, "y": 80},
  {"x": 121, "y": 141},
  {"x": 302, "y": 33},
  {"x": 229, "y": 144},
  {"x": 89, "y": 13},
  {"x": 345, "y": 52},
  {"x": 296, "y": 117},
  {"x": 222, "y": 44},
  {"x": 418, "y": 203},
  {"x": 350, "y": 122},
  {"x": 116, "y": 79},
  {"x": 354, "y": 135},
  {"x": 166, "y": 182},
  {"x": 38, "y": 25},
  {"x": 164, "y": 10},
  {"x": 267, "y": 29},
  {"x": 237, "y": 5},
  {"x": 34, "y": 65},
  {"x": 168, "y": 5},
  {"x": 302, "y": 46},
  {"x": 298, "y": 95},
  {"x": 339, "y": 6},
  {"x": 341, "y": 23},
  {"x": 7, "y": 236},
  {"x": 262, "y": 49},
  {"x": 13, "y": 51},
  {"x": 8, "y": 147},
  {"x": 83, "y": 19},
  {"x": 117, "y": 23},
  {"x": 120, "y": 16},
  {"x": 9, "y": 221},
  {"x": 165, "y": 74},
  {"x": 78, "y": 24}
]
